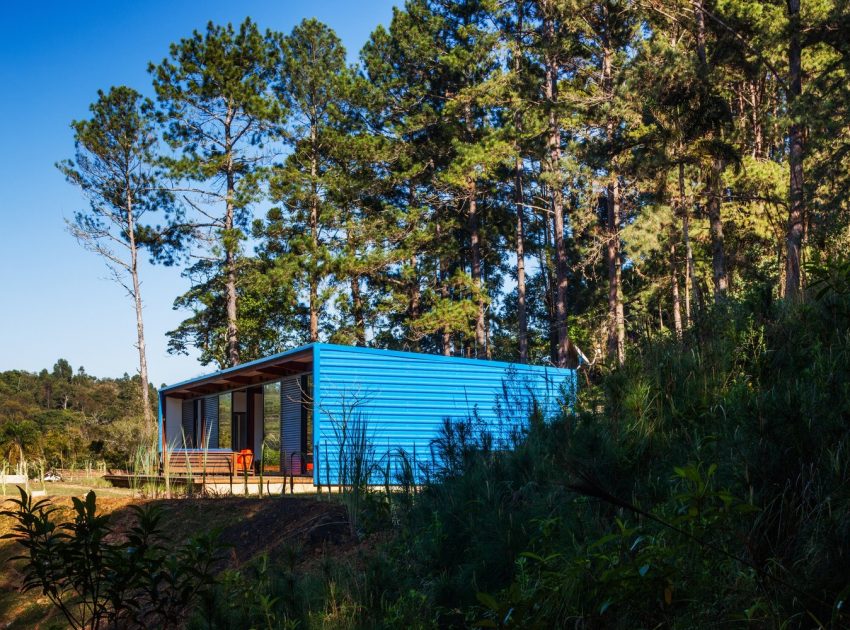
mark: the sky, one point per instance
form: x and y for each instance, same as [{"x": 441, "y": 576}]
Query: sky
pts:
[{"x": 56, "y": 298}]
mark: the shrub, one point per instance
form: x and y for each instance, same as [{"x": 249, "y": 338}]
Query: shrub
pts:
[{"x": 137, "y": 583}]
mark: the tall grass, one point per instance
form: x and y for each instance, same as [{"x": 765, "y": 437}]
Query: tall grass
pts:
[{"x": 356, "y": 461}]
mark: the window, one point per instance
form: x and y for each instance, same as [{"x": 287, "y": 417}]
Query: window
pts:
[
  {"x": 307, "y": 416},
  {"x": 271, "y": 424},
  {"x": 225, "y": 420}
]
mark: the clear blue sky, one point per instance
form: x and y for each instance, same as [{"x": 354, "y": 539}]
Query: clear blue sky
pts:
[{"x": 56, "y": 300}]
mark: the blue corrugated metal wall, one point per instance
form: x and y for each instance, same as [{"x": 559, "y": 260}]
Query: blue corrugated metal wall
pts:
[{"x": 399, "y": 401}]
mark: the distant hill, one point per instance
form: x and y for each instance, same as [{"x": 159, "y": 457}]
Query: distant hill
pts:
[{"x": 67, "y": 417}]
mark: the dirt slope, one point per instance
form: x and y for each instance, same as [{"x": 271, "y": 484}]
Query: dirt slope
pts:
[{"x": 247, "y": 526}]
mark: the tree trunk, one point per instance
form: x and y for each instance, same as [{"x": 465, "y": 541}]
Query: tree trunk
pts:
[
  {"x": 314, "y": 238},
  {"x": 415, "y": 300},
  {"x": 616, "y": 319},
  {"x": 473, "y": 226},
  {"x": 677, "y": 309},
  {"x": 616, "y": 323},
  {"x": 475, "y": 250},
  {"x": 794, "y": 235},
  {"x": 487, "y": 340},
  {"x": 549, "y": 289},
  {"x": 230, "y": 289},
  {"x": 140, "y": 327},
  {"x": 519, "y": 200},
  {"x": 230, "y": 250},
  {"x": 699, "y": 16},
  {"x": 758, "y": 134},
  {"x": 357, "y": 311},
  {"x": 354, "y": 285},
  {"x": 522, "y": 316},
  {"x": 691, "y": 283},
  {"x": 553, "y": 146},
  {"x": 442, "y": 274},
  {"x": 561, "y": 288},
  {"x": 718, "y": 256}
]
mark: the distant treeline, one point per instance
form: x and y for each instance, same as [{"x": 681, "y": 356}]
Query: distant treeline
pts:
[{"x": 69, "y": 418}]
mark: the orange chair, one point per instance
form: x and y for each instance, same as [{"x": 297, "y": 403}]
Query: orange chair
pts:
[{"x": 243, "y": 460}]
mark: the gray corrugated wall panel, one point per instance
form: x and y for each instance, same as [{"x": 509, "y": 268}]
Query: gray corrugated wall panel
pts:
[
  {"x": 405, "y": 397},
  {"x": 211, "y": 415},
  {"x": 290, "y": 423},
  {"x": 188, "y": 423}
]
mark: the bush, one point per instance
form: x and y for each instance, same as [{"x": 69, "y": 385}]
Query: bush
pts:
[
  {"x": 703, "y": 482},
  {"x": 137, "y": 583}
]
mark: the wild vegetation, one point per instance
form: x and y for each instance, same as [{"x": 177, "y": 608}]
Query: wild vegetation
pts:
[
  {"x": 71, "y": 420},
  {"x": 658, "y": 187},
  {"x": 703, "y": 483}
]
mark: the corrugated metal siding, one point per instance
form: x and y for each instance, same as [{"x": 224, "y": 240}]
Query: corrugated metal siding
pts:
[
  {"x": 211, "y": 416},
  {"x": 290, "y": 423},
  {"x": 188, "y": 423},
  {"x": 402, "y": 400}
]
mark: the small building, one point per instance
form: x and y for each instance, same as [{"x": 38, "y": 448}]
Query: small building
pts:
[{"x": 321, "y": 410}]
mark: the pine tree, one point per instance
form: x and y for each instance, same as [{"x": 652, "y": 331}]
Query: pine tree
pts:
[
  {"x": 310, "y": 84},
  {"x": 214, "y": 98},
  {"x": 114, "y": 166},
  {"x": 609, "y": 30},
  {"x": 796, "y": 131},
  {"x": 478, "y": 149}
]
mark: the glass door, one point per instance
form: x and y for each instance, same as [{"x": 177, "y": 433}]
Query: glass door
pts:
[{"x": 240, "y": 430}]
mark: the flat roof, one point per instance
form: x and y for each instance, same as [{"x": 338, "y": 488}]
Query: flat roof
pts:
[
  {"x": 291, "y": 362},
  {"x": 295, "y": 361}
]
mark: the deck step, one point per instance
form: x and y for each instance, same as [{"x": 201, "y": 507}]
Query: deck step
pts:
[{"x": 196, "y": 462}]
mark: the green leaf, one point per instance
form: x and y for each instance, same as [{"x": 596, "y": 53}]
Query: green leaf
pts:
[{"x": 487, "y": 600}]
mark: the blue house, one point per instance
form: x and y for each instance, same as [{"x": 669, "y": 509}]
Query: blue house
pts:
[{"x": 303, "y": 412}]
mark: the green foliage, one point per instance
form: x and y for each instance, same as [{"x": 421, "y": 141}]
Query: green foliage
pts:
[
  {"x": 701, "y": 483},
  {"x": 68, "y": 419},
  {"x": 214, "y": 100},
  {"x": 258, "y": 596},
  {"x": 95, "y": 582}
]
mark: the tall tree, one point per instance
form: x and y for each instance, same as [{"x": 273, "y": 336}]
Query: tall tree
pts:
[
  {"x": 310, "y": 84},
  {"x": 716, "y": 165},
  {"x": 796, "y": 209},
  {"x": 609, "y": 27},
  {"x": 214, "y": 97},
  {"x": 418, "y": 250},
  {"x": 114, "y": 167},
  {"x": 550, "y": 46},
  {"x": 515, "y": 23},
  {"x": 471, "y": 63}
]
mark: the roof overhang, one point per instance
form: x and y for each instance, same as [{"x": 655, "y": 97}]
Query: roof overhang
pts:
[{"x": 265, "y": 370}]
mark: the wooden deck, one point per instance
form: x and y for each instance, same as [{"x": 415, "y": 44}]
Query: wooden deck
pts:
[
  {"x": 198, "y": 463},
  {"x": 220, "y": 484}
]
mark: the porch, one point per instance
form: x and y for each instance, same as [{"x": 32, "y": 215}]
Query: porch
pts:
[{"x": 254, "y": 419}]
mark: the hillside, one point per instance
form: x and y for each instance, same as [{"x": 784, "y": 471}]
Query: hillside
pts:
[{"x": 303, "y": 531}]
